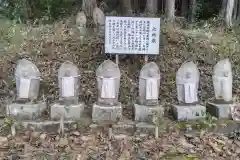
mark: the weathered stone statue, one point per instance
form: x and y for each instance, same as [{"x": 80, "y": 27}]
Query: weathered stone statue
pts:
[
  {"x": 68, "y": 105},
  {"x": 81, "y": 22},
  {"x": 187, "y": 80},
  {"x": 107, "y": 106},
  {"x": 149, "y": 85},
  {"x": 222, "y": 84},
  {"x": 26, "y": 105},
  {"x": 99, "y": 21}
]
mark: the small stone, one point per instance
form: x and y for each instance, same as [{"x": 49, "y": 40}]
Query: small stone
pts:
[
  {"x": 120, "y": 136},
  {"x": 181, "y": 150},
  {"x": 71, "y": 138},
  {"x": 197, "y": 140},
  {"x": 43, "y": 136},
  {"x": 237, "y": 151},
  {"x": 77, "y": 141},
  {"x": 3, "y": 140},
  {"x": 35, "y": 134},
  {"x": 57, "y": 138},
  {"x": 76, "y": 133},
  {"x": 25, "y": 138},
  {"x": 63, "y": 142},
  {"x": 9, "y": 136},
  {"x": 86, "y": 138},
  {"x": 223, "y": 125},
  {"x": 192, "y": 151},
  {"x": 188, "y": 128},
  {"x": 198, "y": 126},
  {"x": 188, "y": 136},
  {"x": 143, "y": 135},
  {"x": 28, "y": 133},
  {"x": 67, "y": 149},
  {"x": 74, "y": 126}
]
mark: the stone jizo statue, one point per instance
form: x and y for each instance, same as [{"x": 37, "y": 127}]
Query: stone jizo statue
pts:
[
  {"x": 108, "y": 82},
  {"x": 222, "y": 80},
  {"x": 99, "y": 20},
  {"x": 149, "y": 84},
  {"x": 187, "y": 80},
  {"x": 68, "y": 80},
  {"x": 27, "y": 80},
  {"x": 81, "y": 22}
]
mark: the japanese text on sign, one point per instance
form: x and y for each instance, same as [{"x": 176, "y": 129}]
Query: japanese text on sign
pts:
[{"x": 132, "y": 35}]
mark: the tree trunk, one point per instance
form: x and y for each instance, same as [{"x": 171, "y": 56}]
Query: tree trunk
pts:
[
  {"x": 229, "y": 12},
  {"x": 235, "y": 11},
  {"x": 184, "y": 8},
  {"x": 163, "y": 4},
  {"x": 223, "y": 9},
  {"x": 170, "y": 10},
  {"x": 238, "y": 13},
  {"x": 126, "y": 7},
  {"x": 151, "y": 6},
  {"x": 192, "y": 9},
  {"x": 135, "y": 6},
  {"x": 88, "y": 7}
]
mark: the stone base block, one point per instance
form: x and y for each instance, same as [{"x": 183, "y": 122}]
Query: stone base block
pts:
[
  {"x": 145, "y": 128},
  {"x": 122, "y": 128},
  {"x": 26, "y": 111},
  {"x": 106, "y": 113},
  {"x": 47, "y": 126},
  {"x": 220, "y": 111},
  {"x": 73, "y": 112},
  {"x": 144, "y": 113},
  {"x": 188, "y": 113}
]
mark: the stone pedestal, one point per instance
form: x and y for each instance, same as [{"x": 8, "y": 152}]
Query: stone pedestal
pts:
[
  {"x": 189, "y": 112},
  {"x": 46, "y": 126},
  {"x": 123, "y": 128},
  {"x": 144, "y": 113},
  {"x": 146, "y": 128},
  {"x": 106, "y": 113},
  {"x": 144, "y": 118},
  {"x": 73, "y": 112},
  {"x": 26, "y": 111},
  {"x": 220, "y": 111}
]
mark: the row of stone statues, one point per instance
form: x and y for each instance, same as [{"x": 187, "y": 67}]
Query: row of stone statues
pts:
[
  {"x": 98, "y": 19},
  {"x": 108, "y": 106}
]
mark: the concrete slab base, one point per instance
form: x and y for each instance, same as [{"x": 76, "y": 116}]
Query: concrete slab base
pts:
[
  {"x": 73, "y": 112},
  {"x": 145, "y": 128},
  {"x": 220, "y": 111},
  {"x": 123, "y": 127},
  {"x": 144, "y": 113},
  {"x": 46, "y": 126},
  {"x": 27, "y": 111},
  {"x": 106, "y": 113},
  {"x": 188, "y": 113}
]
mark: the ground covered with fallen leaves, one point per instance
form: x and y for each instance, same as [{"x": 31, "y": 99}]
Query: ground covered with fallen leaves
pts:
[
  {"x": 83, "y": 146},
  {"x": 50, "y": 45}
]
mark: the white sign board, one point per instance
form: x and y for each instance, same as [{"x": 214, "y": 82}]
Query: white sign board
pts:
[{"x": 132, "y": 35}]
